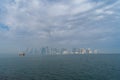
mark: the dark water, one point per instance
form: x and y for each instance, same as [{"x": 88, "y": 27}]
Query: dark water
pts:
[{"x": 69, "y": 67}]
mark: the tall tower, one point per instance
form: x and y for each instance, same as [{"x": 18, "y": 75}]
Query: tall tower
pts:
[
  {"x": 43, "y": 51},
  {"x": 95, "y": 51}
]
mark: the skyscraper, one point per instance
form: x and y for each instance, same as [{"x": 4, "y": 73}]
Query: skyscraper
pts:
[{"x": 83, "y": 51}]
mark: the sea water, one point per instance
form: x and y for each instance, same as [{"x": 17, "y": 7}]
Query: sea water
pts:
[{"x": 61, "y": 67}]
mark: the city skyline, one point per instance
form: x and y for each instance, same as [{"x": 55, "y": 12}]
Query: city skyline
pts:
[
  {"x": 57, "y": 51},
  {"x": 60, "y": 23}
]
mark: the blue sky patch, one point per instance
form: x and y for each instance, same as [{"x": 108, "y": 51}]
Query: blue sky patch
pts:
[{"x": 3, "y": 27}]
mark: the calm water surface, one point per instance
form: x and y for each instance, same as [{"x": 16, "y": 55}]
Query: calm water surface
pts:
[{"x": 69, "y": 67}]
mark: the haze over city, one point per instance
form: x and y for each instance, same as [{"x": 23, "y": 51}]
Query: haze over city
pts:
[{"x": 60, "y": 23}]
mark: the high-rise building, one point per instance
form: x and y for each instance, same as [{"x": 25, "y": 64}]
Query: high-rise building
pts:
[
  {"x": 95, "y": 51},
  {"x": 83, "y": 51},
  {"x": 43, "y": 51},
  {"x": 88, "y": 51},
  {"x": 64, "y": 51},
  {"x": 74, "y": 50},
  {"x": 79, "y": 51}
]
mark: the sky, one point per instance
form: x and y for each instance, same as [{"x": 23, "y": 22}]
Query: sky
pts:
[{"x": 60, "y": 23}]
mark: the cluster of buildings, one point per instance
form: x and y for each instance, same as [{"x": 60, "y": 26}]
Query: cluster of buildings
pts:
[{"x": 59, "y": 51}]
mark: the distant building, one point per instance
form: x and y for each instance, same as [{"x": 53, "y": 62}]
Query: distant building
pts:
[
  {"x": 64, "y": 51},
  {"x": 95, "y": 51},
  {"x": 57, "y": 51},
  {"x": 88, "y": 51},
  {"x": 75, "y": 51},
  {"x": 43, "y": 51},
  {"x": 83, "y": 51},
  {"x": 79, "y": 51}
]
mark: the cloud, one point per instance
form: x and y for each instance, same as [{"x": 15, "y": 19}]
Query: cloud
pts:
[
  {"x": 37, "y": 15},
  {"x": 47, "y": 22}
]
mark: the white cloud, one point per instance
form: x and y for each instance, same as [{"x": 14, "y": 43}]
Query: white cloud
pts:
[
  {"x": 99, "y": 17},
  {"x": 103, "y": 11},
  {"x": 108, "y": 9},
  {"x": 82, "y": 8},
  {"x": 40, "y": 21},
  {"x": 79, "y": 1},
  {"x": 109, "y": 12},
  {"x": 58, "y": 10},
  {"x": 37, "y": 15}
]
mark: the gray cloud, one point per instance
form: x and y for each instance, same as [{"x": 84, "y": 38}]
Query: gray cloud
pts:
[{"x": 72, "y": 22}]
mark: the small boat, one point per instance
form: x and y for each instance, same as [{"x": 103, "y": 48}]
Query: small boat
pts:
[{"x": 21, "y": 54}]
